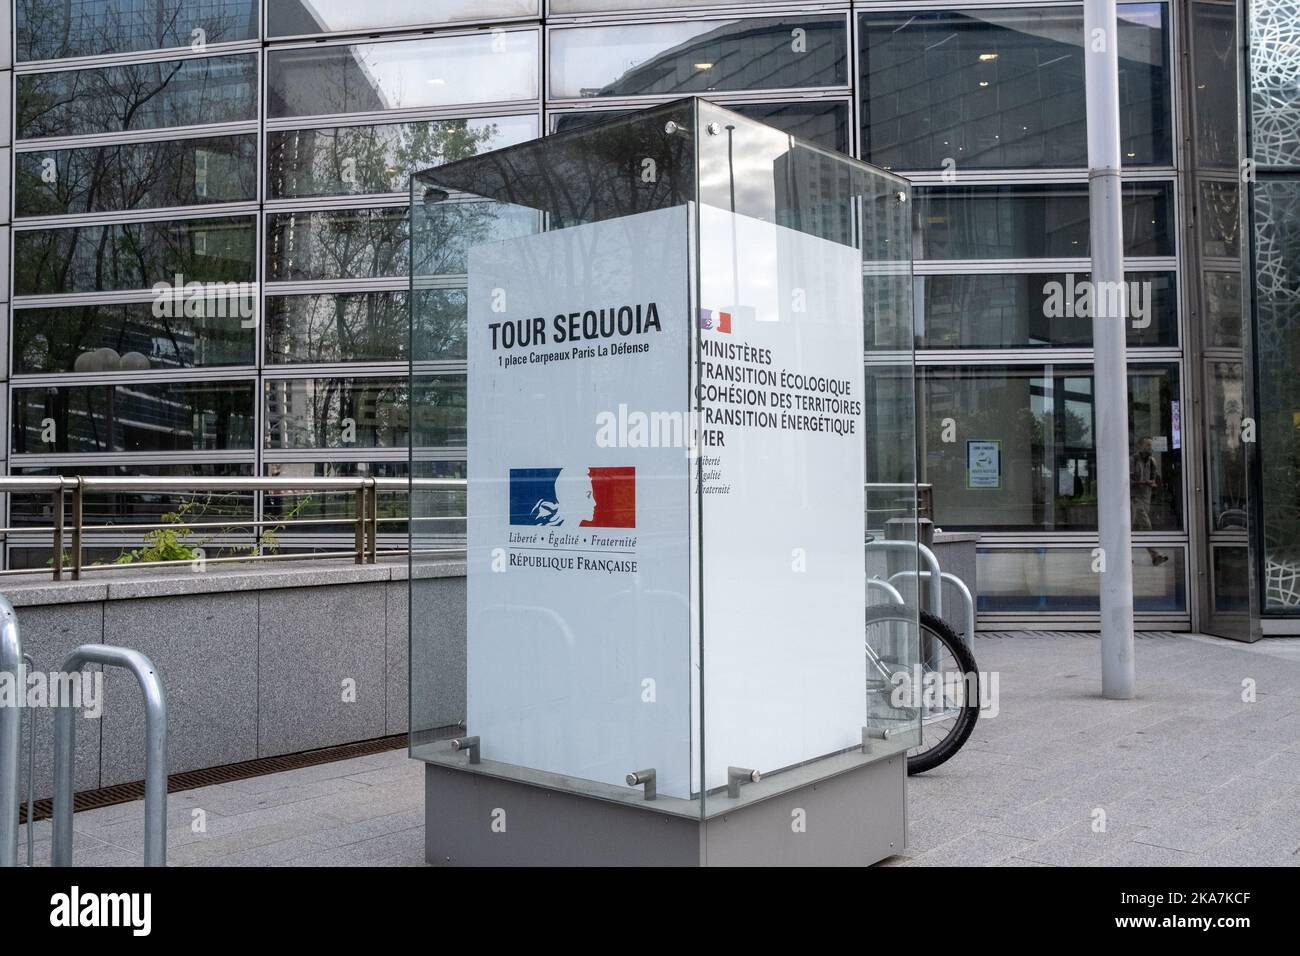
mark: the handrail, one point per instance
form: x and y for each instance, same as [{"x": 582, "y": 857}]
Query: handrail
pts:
[
  {"x": 155, "y": 766},
  {"x": 11, "y": 663},
  {"x": 68, "y": 533}
]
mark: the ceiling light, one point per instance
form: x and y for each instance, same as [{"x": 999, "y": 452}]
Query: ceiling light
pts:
[
  {"x": 986, "y": 57},
  {"x": 703, "y": 66}
]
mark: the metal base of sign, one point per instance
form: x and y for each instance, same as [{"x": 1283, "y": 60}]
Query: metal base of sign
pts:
[{"x": 854, "y": 818}]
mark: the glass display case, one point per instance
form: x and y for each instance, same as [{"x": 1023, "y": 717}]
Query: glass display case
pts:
[{"x": 662, "y": 396}]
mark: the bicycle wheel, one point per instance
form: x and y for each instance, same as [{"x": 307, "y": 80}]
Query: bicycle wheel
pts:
[{"x": 948, "y": 691}]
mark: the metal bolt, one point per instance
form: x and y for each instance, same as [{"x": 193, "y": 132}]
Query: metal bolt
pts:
[
  {"x": 671, "y": 127},
  {"x": 713, "y": 129}
]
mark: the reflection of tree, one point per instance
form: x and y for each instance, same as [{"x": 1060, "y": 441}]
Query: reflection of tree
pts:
[
  {"x": 50, "y": 340},
  {"x": 56, "y": 29},
  {"x": 132, "y": 255},
  {"x": 192, "y": 416},
  {"x": 185, "y": 172}
]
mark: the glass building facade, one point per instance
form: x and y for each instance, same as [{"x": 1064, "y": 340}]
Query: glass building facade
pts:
[{"x": 266, "y": 145}]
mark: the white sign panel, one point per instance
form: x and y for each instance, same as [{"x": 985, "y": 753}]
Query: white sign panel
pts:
[
  {"x": 594, "y": 533},
  {"x": 783, "y": 466},
  {"x": 578, "y": 584}
]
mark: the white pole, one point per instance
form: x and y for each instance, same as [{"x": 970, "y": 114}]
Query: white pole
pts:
[{"x": 1115, "y": 561}]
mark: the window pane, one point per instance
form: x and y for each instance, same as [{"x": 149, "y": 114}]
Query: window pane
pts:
[
  {"x": 1045, "y": 309},
  {"x": 337, "y": 327},
  {"x": 353, "y": 160},
  {"x": 337, "y": 244},
  {"x": 65, "y": 340},
  {"x": 133, "y": 255},
  {"x": 216, "y": 89},
  {"x": 488, "y": 67},
  {"x": 47, "y": 30},
  {"x": 1035, "y": 222},
  {"x": 154, "y": 416},
  {"x": 365, "y": 412},
  {"x": 181, "y": 172},
  {"x": 826, "y": 124},
  {"x": 1004, "y": 88},
  {"x": 699, "y": 56},
  {"x": 1213, "y": 40},
  {"x": 1226, "y": 474},
  {"x": 1037, "y": 426},
  {"x": 291, "y": 18},
  {"x": 1027, "y": 580}
]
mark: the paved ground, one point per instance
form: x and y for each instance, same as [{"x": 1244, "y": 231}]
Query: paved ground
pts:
[{"x": 1188, "y": 773}]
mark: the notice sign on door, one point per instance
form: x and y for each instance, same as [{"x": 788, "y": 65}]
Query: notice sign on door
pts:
[{"x": 984, "y": 464}]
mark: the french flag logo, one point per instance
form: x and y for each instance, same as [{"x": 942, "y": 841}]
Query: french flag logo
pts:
[
  {"x": 573, "y": 497},
  {"x": 715, "y": 321}
]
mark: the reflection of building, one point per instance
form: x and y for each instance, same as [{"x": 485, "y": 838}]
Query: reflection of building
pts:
[{"x": 281, "y": 159}]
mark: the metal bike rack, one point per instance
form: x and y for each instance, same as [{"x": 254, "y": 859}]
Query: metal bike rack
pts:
[
  {"x": 936, "y": 584},
  {"x": 155, "y": 776},
  {"x": 895, "y": 596},
  {"x": 968, "y": 600},
  {"x": 11, "y": 727}
]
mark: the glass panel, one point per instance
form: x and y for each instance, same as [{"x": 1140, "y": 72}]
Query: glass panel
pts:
[
  {"x": 1035, "y": 429},
  {"x": 1277, "y": 387},
  {"x": 133, "y": 255},
  {"x": 1219, "y": 218},
  {"x": 48, "y": 31},
  {"x": 821, "y": 123},
  {"x": 1043, "y": 309},
  {"x": 365, "y": 412},
  {"x": 364, "y": 326},
  {"x": 699, "y": 56},
  {"x": 292, "y": 18},
  {"x": 558, "y": 329},
  {"x": 1213, "y": 44},
  {"x": 1231, "y": 580},
  {"x": 1221, "y": 301},
  {"x": 337, "y": 244},
  {"x": 1225, "y": 451},
  {"x": 337, "y": 327},
  {"x": 180, "y": 172},
  {"x": 352, "y": 160},
  {"x": 1004, "y": 88},
  {"x": 67, "y": 339},
  {"x": 214, "y": 89},
  {"x": 1038, "y": 580},
  {"x": 1274, "y": 92},
  {"x": 493, "y": 67},
  {"x": 145, "y": 417},
  {"x": 1036, "y": 222}
]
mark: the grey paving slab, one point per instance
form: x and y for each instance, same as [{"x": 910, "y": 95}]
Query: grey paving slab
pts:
[{"x": 1179, "y": 783}]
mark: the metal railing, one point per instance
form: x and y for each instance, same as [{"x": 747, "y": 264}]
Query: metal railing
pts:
[{"x": 70, "y": 534}]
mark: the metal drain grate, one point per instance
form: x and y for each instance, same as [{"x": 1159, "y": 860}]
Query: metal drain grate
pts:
[{"x": 193, "y": 779}]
